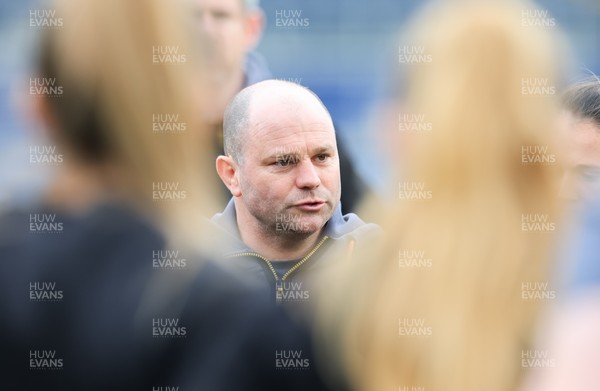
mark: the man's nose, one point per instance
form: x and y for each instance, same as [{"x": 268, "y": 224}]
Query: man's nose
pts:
[{"x": 307, "y": 175}]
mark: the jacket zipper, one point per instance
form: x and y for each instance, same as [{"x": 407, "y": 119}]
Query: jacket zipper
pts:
[{"x": 279, "y": 288}]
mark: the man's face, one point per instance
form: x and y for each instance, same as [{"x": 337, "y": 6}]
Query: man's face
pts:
[
  {"x": 581, "y": 139},
  {"x": 290, "y": 176},
  {"x": 223, "y": 32}
]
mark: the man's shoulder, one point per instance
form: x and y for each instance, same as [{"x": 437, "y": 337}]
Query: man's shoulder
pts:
[
  {"x": 225, "y": 223},
  {"x": 350, "y": 224}
]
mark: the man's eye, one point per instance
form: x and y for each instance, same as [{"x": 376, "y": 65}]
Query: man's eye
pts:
[
  {"x": 282, "y": 162},
  {"x": 590, "y": 175},
  {"x": 286, "y": 161},
  {"x": 322, "y": 157}
]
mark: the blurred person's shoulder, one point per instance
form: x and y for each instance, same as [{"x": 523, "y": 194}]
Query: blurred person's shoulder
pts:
[{"x": 38, "y": 226}]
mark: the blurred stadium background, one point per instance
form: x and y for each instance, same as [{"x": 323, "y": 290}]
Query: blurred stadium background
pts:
[{"x": 346, "y": 52}]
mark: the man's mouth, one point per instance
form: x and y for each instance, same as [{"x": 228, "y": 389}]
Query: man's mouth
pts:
[{"x": 310, "y": 205}]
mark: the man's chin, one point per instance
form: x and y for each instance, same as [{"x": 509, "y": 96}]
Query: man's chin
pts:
[{"x": 300, "y": 227}]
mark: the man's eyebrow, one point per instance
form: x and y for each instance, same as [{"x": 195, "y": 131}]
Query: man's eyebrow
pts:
[
  {"x": 582, "y": 167},
  {"x": 289, "y": 151},
  {"x": 323, "y": 149},
  {"x": 283, "y": 153}
]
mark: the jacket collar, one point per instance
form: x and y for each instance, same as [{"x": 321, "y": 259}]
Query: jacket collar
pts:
[{"x": 226, "y": 222}]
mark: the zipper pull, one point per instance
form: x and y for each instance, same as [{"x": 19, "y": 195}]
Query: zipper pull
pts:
[{"x": 278, "y": 292}]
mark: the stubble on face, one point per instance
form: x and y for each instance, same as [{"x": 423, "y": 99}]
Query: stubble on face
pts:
[{"x": 278, "y": 201}]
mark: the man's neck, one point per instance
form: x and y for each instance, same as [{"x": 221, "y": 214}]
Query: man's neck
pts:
[{"x": 277, "y": 246}]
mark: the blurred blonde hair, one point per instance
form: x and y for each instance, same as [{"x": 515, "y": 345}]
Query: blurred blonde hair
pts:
[
  {"x": 103, "y": 57},
  {"x": 471, "y": 92}
]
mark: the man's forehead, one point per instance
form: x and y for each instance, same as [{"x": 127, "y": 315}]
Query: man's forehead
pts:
[
  {"x": 584, "y": 131},
  {"x": 269, "y": 134},
  {"x": 281, "y": 113},
  {"x": 277, "y": 127}
]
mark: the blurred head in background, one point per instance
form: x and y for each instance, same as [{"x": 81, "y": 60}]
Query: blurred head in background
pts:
[
  {"x": 127, "y": 116},
  {"x": 227, "y": 30},
  {"x": 441, "y": 305},
  {"x": 580, "y": 134}
]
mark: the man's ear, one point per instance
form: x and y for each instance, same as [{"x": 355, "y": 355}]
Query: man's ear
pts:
[
  {"x": 254, "y": 25},
  {"x": 228, "y": 172}
]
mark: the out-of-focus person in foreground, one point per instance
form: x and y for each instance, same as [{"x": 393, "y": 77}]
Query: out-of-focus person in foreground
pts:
[
  {"x": 571, "y": 334},
  {"x": 580, "y": 133},
  {"x": 450, "y": 300},
  {"x": 104, "y": 283}
]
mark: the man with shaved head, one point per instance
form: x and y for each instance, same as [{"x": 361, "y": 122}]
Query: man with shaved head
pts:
[{"x": 281, "y": 166}]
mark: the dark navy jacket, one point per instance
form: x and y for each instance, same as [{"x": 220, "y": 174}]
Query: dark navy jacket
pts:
[
  {"x": 342, "y": 236},
  {"x": 83, "y": 306}
]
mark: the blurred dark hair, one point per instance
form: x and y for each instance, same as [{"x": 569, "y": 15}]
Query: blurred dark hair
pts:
[
  {"x": 114, "y": 88},
  {"x": 77, "y": 112},
  {"x": 583, "y": 99}
]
